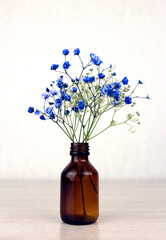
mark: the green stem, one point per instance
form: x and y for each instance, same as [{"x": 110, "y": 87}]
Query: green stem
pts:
[
  {"x": 76, "y": 129},
  {"x": 69, "y": 125},
  {"x": 93, "y": 127},
  {"x": 90, "y": 132},
  {"x": 108, "y": 127},
  {"x": 62, "y": 129},
  {"x": 82, "y": 125},
  {"x": 68, "y": 132},
  {"x": 86, "y": 137}
]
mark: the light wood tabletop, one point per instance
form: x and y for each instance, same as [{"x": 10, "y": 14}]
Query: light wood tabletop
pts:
[{"x": 128, "y": 211}]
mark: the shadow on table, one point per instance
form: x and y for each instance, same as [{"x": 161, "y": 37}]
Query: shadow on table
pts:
[{"x": 79, "y": 232}]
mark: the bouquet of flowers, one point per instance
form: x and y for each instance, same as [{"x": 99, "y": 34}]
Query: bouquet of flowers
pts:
[{"x": 76, "y": 104}]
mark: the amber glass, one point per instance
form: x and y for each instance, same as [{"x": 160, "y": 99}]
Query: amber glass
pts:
[{"x": 79, "y": 203}]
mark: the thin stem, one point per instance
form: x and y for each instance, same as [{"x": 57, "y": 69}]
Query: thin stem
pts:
[
  {"x": 140, "y": 97},
  {"x": 91, "y": 179},
  {"x": 86, "y": 137},
  {"x": 68, "y": 132},
  {"x": 107, "y": 109},
  {"x": 105, "y": 69},
  {"x": 82, "y": 125},
  {"x": 134, "y": 89},
  {"x": 76, "y": 130},
  {"x": 89, "y": 119},
  {"x": 81, "y": 61},
  {"x": 56, "y": 123},
  {"x": 109, "y": 127},
  {"x": 90, "y": 132},
  {"x": 95, "y": 123},
  {"x": 82, "y": 191},
  {"x": 94, "y": 99},
  {"x": 60, "y": 71},
  {"x": 68, "y": 75},
  {"x": 69, "y": 125},
  {"x": 62, "y": 129}
]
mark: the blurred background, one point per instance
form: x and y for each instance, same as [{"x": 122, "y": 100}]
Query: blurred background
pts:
[{"x": 33, "y": 33}]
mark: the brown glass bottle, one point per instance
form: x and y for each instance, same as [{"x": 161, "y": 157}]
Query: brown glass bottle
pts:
[{"x": 79, "y": 203}]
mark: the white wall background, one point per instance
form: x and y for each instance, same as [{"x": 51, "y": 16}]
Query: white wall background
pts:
[{"x": 130, "y": 34}]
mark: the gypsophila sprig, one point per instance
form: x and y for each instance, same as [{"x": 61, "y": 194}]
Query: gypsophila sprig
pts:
[{"x": 77, "y": 103}]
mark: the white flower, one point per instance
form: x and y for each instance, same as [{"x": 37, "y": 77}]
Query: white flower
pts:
[
  {"x": 67, "y": 104},
  {"x": 134, "y": 119},
  {"x": 96, "y": 83},
  {"x": 132, "y": 129}
]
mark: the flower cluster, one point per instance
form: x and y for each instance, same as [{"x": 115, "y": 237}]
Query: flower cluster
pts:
[{"x": 76, "y": 104}]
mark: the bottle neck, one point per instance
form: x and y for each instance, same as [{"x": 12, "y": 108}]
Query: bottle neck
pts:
[{"x": 79, "y": 152}]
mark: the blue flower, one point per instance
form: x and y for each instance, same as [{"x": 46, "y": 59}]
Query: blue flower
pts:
[
  {"x": 42, "y": 117},
  {"x": 45, "y": 95},
  {"x": 95, "y": 59},
  {"x": 65, "y": 52},
  {"x": 66, "y": 112},
  {"x": 117, "y": 85},
  {"x": 76, "y": 51},
  {"x": 59, "y": 82},
  {"x": 114, "y": 74},
  {"x": 81, "y": 105},
  {"x": 91, "y": 79},
  {"x": 75, "y": 109},
  {"x": 116, "y": 95},
  {"x": 103, "y": 90},
  {"x": 110, "y": 86},
  {"x": 125, "y": 81},
  {"x": 31, "y": 109},
  {"x": 62, "y": 95},
  {"x": 74, "y": 89},
  {"x": 110, "y": 90},
  {"x": 140, "y": 82},
  {"x": 48, "y": 110},
  {"x": 52, "y": 116},
  {"x": 67, "y": 97},
  {"x": 76, "y": 80},
  {"x": 86, "y": 79},
  {"x": 110, "y": 65},
  {"x": 54, "y": 66},
  {"x": 66, "y": 65},
  {"x": 65, "y": 85},
  {"x": 47, "y": 90},
  {"x": 147, "y": 97},
  {"x": 54, "y": 92},
  {"x": 58, "y": 102},
  {"x": 37, "y": 112},
  {"x": 113, "y": 103},
  {"x": 128, "y": 100},
  {"x": 62, "y": 92},
  {"x": 101, "y": 75}
]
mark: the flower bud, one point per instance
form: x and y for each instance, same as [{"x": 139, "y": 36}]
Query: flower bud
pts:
[{"x": 132, "y": 129}]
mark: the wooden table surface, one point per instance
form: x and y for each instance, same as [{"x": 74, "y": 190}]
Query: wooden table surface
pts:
[{"x": 128, "y": 210}]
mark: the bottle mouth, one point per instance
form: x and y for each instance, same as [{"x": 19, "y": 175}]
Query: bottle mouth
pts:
[{"x": 79, "y": 149}]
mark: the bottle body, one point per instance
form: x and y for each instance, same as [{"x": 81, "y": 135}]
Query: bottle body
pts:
[{"x": 79, "y": 203}]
